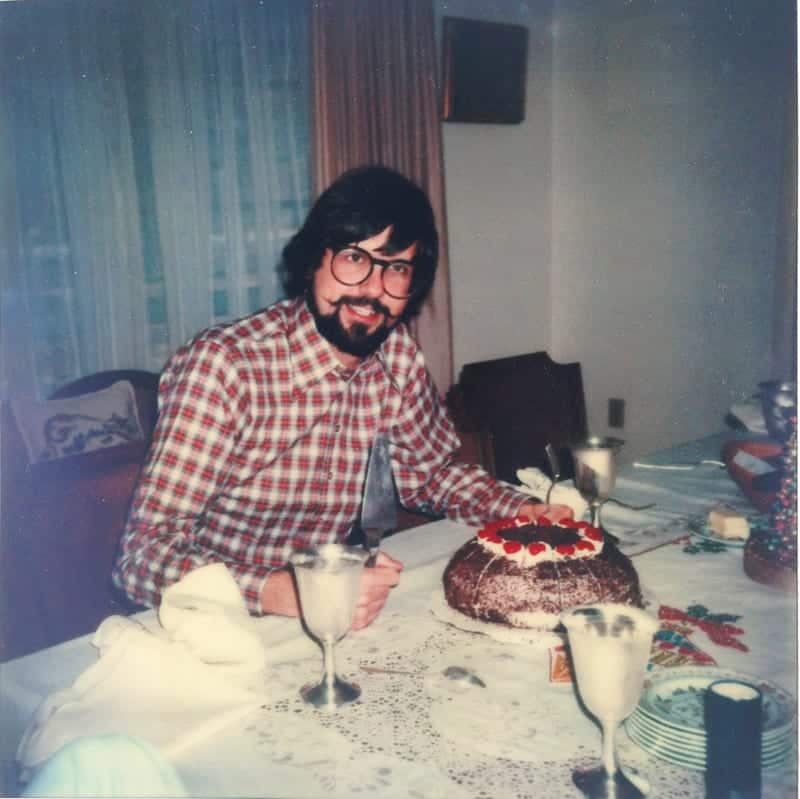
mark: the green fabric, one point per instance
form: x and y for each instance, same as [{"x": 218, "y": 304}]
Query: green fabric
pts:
[{"x": 108, "y": 766}]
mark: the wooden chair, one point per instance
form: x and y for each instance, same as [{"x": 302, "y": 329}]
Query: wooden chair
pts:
[{"x": 520, "y": 404}]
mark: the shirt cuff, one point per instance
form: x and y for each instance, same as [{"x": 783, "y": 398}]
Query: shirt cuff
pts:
[{"x": 252, "y": 587}]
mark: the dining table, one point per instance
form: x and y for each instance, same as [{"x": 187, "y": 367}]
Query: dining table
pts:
[{"x": 521, "y": 729}]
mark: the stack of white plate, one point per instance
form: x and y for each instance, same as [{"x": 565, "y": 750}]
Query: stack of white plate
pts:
[{"x": 668, "y": 721}]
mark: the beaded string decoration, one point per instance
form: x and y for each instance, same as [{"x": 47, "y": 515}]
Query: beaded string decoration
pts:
[
  {"x": 770, "y": 555},
  {"x": 784, "y": 509}
]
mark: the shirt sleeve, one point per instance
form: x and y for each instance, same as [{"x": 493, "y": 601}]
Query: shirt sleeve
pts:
[
  {"x": 202, "y": 406},
  {"x": 428, "y": 477}
]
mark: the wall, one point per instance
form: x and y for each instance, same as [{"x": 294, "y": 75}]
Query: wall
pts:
[
  {"x": 637, "y": 206},
  {"x": 498, "y": 195}
]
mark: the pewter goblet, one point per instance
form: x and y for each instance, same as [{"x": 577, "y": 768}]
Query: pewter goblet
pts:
[
  {"x": 610, "y": 646},
  {"x": 328, "y": 581},
  {"x": 596, "y": 471}
]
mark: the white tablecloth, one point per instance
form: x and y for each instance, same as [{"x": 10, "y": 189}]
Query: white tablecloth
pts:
[{"x": 414, "y": 734}]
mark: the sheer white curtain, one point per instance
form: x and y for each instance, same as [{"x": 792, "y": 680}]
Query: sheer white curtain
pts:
[
  {"x": 74, "y": 268},
  {"x": 158, "y": 162}
]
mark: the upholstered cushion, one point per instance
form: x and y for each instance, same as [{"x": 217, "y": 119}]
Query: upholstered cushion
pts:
[
  {"x": 61, "y": 519},
  {"x": 61, "y": 428}
]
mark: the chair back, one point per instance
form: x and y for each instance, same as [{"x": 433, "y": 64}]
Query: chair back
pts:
[
  {"x": 61, "y": 522},
  {"x": 145, "y": 387},
  {"x": 523, "y": 403}
]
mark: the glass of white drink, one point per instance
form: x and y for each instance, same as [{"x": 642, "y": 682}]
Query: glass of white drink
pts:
[
  {"x": 609, "y": 646},
  {"x": 328, "y": 582}
]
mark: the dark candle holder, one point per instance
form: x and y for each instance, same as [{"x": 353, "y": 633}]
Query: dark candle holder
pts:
[{"x": 733, "y": 740}]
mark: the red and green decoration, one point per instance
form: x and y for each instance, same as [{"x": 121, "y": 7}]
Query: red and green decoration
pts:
[
  {"x": 777, "y": 542},
  {"x": 784, "y": 509},
  {"x": 673, "y": 644},
  {"x": 770, "y": 555}
]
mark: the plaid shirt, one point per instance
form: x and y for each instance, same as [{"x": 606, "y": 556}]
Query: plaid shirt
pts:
[{"x": 261, "y": 448}]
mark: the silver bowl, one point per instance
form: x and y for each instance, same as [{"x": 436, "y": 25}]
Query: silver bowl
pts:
[{"x": 779, "y": 404}]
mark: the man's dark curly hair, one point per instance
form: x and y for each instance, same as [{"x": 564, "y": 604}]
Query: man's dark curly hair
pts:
[{"x": 358, "y": 205}]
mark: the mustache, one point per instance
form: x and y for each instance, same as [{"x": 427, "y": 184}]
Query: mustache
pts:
[{"x": 364, "y": 301}]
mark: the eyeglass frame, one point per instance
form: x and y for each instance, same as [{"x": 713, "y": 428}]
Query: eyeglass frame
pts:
[{"x": 381, "y": 262}]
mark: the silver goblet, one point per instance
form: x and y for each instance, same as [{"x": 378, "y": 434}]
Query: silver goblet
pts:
[
  {"x": 328, "y": 582},
  {"x": 609, "y": 646},
  {"x": 596, "y": 471}
]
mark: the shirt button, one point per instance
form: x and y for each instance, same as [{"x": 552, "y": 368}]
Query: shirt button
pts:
[
  {"x": 337, "y": 427},
  {"x": 330, "y": 475}
]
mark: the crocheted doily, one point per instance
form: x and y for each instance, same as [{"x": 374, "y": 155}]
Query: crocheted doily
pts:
[{"x": 414, "y": 733}]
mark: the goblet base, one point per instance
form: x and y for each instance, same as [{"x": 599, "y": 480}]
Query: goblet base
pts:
[
  {"x": 328, "y": 695},
  {"x": 596, "y": 783}
]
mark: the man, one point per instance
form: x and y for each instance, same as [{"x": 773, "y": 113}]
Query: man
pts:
[{"x": 265, "y": 424}]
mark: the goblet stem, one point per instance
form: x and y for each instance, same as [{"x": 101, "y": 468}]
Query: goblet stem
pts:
[
  {"x": 329, "y": 662},
  {"x": 595, "y": 510},
  {"x": 609, "y": 746}
]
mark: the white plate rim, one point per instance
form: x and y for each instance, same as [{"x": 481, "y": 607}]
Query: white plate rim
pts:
[
  {"x": 709, "y": 673},
  {"x": 697, "y": 743},
  {"x": 769, "y": 737},
  {"x": 699, "y": 528},
  {"x": 658, "y": 737},
  {"x": 697, "y": 761}
]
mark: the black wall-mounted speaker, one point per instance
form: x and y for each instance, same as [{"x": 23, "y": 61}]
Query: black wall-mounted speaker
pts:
[{"x": 485, "y": 67}]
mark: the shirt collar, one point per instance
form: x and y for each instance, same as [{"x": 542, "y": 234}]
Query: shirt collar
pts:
[{"x": 391, "y": 355}]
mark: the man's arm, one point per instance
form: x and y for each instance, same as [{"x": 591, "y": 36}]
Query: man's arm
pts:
[
  {"x": 430, "y": 479},
  {"x": 200, "y": 411},
  {"x": 279, "y": 594},
  {"x": 202, "y": 403}
]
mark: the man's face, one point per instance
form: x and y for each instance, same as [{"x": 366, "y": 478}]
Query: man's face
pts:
[{"x": 357, "y": 319}]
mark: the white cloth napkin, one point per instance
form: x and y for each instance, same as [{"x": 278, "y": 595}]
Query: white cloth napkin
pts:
[
  {"x": 535, "y": 482},
  {"x": 206, "y": 611},
  {"x": 173, "y": 686}
]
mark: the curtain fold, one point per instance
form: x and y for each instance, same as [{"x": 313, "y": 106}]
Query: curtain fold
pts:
[
  {"x": 161, "y": 157},
  {"x": 76, "y": 266},
  {"x": 376, "y": 101}
]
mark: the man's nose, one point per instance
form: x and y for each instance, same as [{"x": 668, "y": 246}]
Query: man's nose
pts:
[{"x": 373, "y": 285}]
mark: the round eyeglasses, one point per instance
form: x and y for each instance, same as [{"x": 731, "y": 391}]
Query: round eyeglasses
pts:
[{"x": 352, "y": 266}]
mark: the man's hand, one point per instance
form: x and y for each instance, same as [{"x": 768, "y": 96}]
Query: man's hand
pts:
[
  {"x": 376, "y": 582},
  {"x": 279, "y": 595},
  {"x": 556, "y": 513}
]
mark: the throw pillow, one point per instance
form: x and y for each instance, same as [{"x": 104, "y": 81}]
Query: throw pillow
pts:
[{"x": 61, "y": 428}]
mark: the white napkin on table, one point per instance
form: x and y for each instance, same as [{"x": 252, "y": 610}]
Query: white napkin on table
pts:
[
  {"x": 172, "y": 686},
  {"x": 206, "y": 611},
  {"x": 536, "y": 483}
]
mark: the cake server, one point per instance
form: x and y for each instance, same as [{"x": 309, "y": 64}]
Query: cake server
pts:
[
  {"x": 379, "y": 505},
  {"x": 555, "y": 469}
]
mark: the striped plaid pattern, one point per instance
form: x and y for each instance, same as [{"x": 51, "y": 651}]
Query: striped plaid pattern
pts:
[{"x": 262, "y": 444}]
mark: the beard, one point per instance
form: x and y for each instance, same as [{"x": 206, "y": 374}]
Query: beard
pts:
[{"x": 357, "y": 340}]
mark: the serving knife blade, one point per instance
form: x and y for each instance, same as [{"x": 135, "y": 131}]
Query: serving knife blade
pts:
[
  {"x": 555, "y": 470},
  {"x": 379, "y": 505}
]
